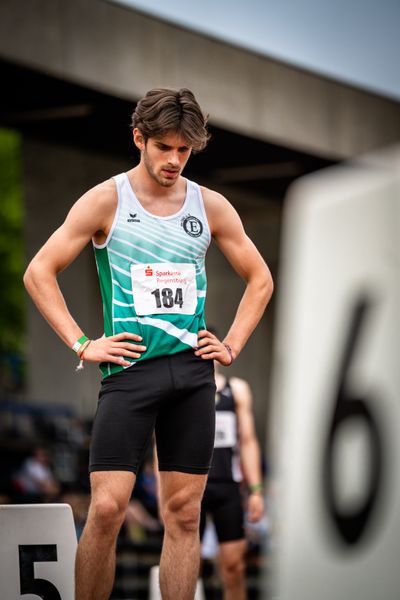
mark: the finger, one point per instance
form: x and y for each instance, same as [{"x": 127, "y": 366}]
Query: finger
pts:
[
  {"x": 202, "y": 333},
  {"x": 210, "y": 356},
  {"x": 128, "y": 346},
  {"x": 118, "y": 360},
  {"x": 125, "y": 336},
  {"x": 122, "y": 352},
  {"x": 207, "y": 341},
  {"x": 205, "y": 350}
]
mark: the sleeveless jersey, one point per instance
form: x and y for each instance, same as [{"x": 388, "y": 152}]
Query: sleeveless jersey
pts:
[
  {"x": 225, "y": 464},
  {"x": 152, "y": 273}
]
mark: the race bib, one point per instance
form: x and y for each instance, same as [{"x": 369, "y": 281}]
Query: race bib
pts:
[
  {"x": 225, "y": 429},
  {"x": 164, "y": 288}
]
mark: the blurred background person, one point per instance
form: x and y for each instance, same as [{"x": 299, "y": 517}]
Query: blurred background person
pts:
[
  {"x": 34, "y": 481},
  {"x": 141, "y": 517},
  {"x": 236, "y": 461}
]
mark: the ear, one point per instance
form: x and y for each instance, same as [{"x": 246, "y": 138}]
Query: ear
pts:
[{"x": 138, "y": 139}]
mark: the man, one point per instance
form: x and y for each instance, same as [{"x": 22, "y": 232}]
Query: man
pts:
[
  {"x": 35, "y": 480},
  {"x": 236, "y": 451},
  {"x": 150, "y": 229}
]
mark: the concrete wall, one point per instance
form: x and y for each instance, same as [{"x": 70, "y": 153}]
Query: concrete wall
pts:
[
  {"x": 107, "y": 47},
  {"x": 54, "y": 177}
]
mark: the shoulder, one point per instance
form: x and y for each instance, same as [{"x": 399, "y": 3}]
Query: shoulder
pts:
[
  {"x": 103, "y": 195},
  {"x": 241, "y": 391},
  {"x": 220, "y": 212},
  {"x": 213, "y": 200},
  {"x": 94, "y": 210}
]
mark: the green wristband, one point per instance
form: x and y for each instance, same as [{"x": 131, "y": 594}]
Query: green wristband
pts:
[
  {"x": 79, "y": 343},
  {"x": 256, "y": 487}
]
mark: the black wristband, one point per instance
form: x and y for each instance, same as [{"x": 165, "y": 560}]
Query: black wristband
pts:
[{"x": 230, "y": 353}]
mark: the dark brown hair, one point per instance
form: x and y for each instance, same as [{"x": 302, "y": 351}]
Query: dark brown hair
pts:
[{"x": 163, "y": 110}]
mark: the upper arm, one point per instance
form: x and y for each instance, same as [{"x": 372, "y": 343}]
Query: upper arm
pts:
[
  {"x": 244, "y": 404},
  {"x": 229, "y": 234},
  {"x": 90, "y": 215}
]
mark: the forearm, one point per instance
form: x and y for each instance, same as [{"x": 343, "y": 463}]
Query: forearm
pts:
[
  {"x": 41, "y": 284},
  {"x": 250, "y": 459},
  {"x": 46, "y": 294},
  {"x": 250, "y": 310},
  {"x": 251, "y": 466}
]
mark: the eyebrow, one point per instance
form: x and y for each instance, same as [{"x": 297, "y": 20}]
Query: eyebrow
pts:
[{"x": 167, "y": 146}]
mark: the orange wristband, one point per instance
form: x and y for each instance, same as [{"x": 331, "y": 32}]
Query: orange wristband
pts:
[{"x": 81, "y": 356}]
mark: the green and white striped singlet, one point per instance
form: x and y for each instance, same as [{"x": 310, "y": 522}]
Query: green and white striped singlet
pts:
[{"x": 152, "y": 273}]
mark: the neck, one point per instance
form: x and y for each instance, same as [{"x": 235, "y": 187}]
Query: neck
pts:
[{"x": 147, "y": 185}]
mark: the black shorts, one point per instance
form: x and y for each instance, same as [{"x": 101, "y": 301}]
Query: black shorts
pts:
[
  {"x": 171, "y": 395},
  {"x": 222, "y": 500}
]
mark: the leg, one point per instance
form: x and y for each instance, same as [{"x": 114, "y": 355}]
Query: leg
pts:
[
  {"x": 232, "y": 566},
  {"x": 181, "y": 495},
  {"x": 185, "y": 429},
  {"x": 95, "y": 559},
  {"x": 227, "y": 512}
]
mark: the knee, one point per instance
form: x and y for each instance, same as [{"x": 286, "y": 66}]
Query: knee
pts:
[
  {"x": 181, "y": 515},
  {"x": 107, "y": 514},
  {"x": 232, "y": 571}
]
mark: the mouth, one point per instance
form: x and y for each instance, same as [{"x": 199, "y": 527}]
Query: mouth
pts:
[{"x": 170, "y": 173}]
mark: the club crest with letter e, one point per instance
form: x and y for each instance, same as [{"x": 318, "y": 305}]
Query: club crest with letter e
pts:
[{"x": 192, "y": 225}]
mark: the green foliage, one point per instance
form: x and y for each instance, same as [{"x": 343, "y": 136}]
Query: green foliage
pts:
[{"x": 12, "y": 298}]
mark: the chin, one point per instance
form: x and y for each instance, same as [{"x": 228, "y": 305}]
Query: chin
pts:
[{"x": 167, "y": 182}]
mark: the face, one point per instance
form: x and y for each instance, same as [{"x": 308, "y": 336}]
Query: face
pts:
[
  {"x": 42, "y": 456},
  {"x": 164, "y": 157}
]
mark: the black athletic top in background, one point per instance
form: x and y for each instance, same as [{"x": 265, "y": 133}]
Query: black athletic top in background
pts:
[{"x": 225, "y": 463}]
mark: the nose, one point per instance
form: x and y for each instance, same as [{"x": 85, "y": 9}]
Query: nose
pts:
[{"x": 173, "y": 158}]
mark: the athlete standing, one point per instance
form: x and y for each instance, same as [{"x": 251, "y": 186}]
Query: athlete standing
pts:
[
  {"x": 150, "y": 228},
  {"x": 236, "y": 457}
]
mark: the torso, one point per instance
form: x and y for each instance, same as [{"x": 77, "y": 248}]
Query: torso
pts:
[
  {"x": 152, "y": 273},
  {"x": 165, "y": 205}
]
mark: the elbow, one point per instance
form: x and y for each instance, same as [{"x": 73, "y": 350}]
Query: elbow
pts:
[
  {"x": 30, "y": 277},
  {"x": 267, "y": 285},
  {"x": 27, "y": 278}
]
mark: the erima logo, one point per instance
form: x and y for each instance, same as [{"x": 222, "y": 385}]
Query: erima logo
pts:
[{"x": 133, "y": 218}]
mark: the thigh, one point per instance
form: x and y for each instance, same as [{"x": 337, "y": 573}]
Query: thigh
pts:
[
  {"x": 178, "y": 489},
  {"x": 228, "y": 514},
  {"x": 232, "y": 553},
  {"x": 125, "y": 418},
  {"x": 185, "y": 426}
]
